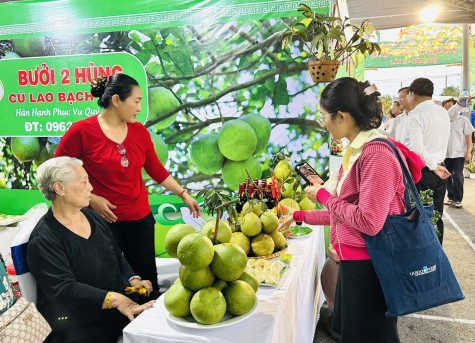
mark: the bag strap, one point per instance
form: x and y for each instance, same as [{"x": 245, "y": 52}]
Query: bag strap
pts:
[{"x": 410, "y": 186}]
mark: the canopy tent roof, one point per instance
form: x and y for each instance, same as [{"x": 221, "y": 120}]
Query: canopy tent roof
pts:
[{"x": 401, "y": 13}]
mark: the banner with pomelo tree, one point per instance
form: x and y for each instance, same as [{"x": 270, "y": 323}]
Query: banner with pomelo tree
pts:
[{"x": 222, "y": 95}]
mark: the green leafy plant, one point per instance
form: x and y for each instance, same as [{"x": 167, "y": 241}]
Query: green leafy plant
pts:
[
  {"x": 470, "y": 166},
  {"x": 451, "y": 91},
  {"x": 325, "y": 39},
  {"x": 427, "y": 198}
]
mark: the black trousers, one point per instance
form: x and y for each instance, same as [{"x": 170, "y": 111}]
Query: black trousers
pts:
[
  {"x": 430, "y": 180},
  {"x": 136, "y": 239},
  {"x": 359, "y": 314},
  {"x": 455, "y": 182}
]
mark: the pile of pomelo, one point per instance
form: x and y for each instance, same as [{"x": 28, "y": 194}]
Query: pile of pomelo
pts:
[
  {"x": 212, "y": 280},
  {"x": 258, "y": 234},
  {"x": 233, "y": 149}
]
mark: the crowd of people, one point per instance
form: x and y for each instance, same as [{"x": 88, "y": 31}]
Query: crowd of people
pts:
[{"x": 98, "y": 236}]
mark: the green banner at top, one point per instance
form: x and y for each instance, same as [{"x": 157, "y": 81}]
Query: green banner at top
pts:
[
  {"x": 41, "y": 18},
  {"x": 412, "y": 53}
]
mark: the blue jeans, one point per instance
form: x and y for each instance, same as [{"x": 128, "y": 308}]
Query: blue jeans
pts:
[{"x": 455, "y": 182}]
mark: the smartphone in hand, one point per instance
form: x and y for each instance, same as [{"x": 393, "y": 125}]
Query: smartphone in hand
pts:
[{"x": 308, "y": 174}]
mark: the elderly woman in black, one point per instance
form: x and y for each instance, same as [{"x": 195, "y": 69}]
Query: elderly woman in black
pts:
[{"x": 80, "y": 273}]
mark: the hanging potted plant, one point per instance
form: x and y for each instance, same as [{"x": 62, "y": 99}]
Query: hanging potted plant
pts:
[{"x": 324, "y": 38}]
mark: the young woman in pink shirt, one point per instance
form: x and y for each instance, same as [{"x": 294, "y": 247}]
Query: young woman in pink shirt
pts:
[{"x": 368, "y": 188}]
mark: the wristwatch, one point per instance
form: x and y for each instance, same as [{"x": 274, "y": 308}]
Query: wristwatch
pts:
[{"x": 135, "y": 277}]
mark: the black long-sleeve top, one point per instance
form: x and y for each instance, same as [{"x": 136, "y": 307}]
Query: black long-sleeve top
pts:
[{"x": 74, "y": 275}]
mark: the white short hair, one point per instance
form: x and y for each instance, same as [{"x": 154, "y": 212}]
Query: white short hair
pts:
[{"x": 58, "y": 169}]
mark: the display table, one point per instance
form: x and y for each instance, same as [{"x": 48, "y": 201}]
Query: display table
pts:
[{"x": 286, "y": 314}]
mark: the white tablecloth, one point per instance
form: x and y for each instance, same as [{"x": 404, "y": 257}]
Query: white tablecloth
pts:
[{"x": 286, "y": 314}]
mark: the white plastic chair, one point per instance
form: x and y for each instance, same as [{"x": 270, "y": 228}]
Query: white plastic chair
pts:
[{"x": 18, "y": 248}]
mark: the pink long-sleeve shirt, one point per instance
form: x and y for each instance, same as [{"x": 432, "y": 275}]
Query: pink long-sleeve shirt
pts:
[{"x": 373, "y": 189}]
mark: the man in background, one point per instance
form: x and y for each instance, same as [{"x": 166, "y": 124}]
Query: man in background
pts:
[
  {"x": 428, "y": 136},
  {"x": 398, "y": 128}
]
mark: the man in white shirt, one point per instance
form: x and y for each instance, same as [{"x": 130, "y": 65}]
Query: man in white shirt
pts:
[
  {"x": 398, "y": 127},
  {"x": 458, "y": 152},
  {"x": 428, "y": 136}
]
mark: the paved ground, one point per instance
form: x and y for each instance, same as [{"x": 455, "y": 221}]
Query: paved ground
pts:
[{"x": 452, "y": 323}]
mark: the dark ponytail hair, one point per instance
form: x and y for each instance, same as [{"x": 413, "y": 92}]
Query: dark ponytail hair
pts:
[
  {"x": 105, "y": 87},
  {"x": 347, "y": 95}
]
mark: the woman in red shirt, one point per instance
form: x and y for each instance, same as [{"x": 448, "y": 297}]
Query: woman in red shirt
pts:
[
  {"x": 114, "y": 148},
  {"x": 368, "y": 188}
]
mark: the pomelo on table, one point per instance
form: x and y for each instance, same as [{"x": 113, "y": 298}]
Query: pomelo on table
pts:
[
  {"x": 255, "y": 206},
  {"x": 279, "y": 240},
  {"x": 235, "y": 172},
  {"x": 282, "y": 170},
  {"x": 251, "y": 280},
  {"x": 219, "y": 284},
  {"x": 228, "y": 262},
  {"x": 306, "y": 204},
  {"x": 177, "y": 300},
  {"x": 262, "y": 245},
  {"x": 251, "y": 224},
  {"x": 208, "y": 306},
  {"x": 262, "y": 128},
  {"x": 240, "y": 297},
  {"x": 195, "y": 251},
  {"x": 161, "y": 101},
  {"x": 270, "y": 222},
  {"x": 174, "y": 236},
  {"x": 205, "y": 154},
  {"x": 237, "y": 140},
  {"x": 196, "y": 279},
  {"x": 224, "y": 231},
  {"x": 241, "y": 240}
]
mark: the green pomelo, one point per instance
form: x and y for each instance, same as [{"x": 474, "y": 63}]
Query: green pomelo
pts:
[
  {"x": 25, "y": 148},
  {"x": 195, "y": 251},
  {"x": 9, "y": 55},
  {"x": 29, "y": 47},
  {"x": 289, "y": 203},
  {"x": 270, "y": 222},
  {"x": 282, "y": 170},
  {"x": 43, "y": 156},
  {"x": 306, "y": 204},
  {"x": 279, "y": 240},
  {"x": 290, "y": 187},
  {"x": 208, "y": 306},
  {"x": 255, "y": 206},
  {"x": 241, "y": 240},
  {"x": 235, "y": 172},
  {"x": 196, "y": 279},
  {"x": 224, "y": 231},
  {"x": 262, "y": 245},
  {"x": 251, "y": 225},
  {"x": 262, "y": 127},
  {"x": 240, "y": 297},
  {"x": 219, "y": 284},
  {"x": 229, "y": 261},
  {"x": 205, "y": 154},
  {"x": 251, "y": 280},
  {"x": 237, "y": 140},
  {"x": 160, "y": 147},
  {"x": 174, "y": 236},
  {"x": 177, "y": 300},
  {"x": 161, "y": 101}
]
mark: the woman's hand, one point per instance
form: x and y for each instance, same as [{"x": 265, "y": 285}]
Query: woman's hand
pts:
[
  {"x": 192, "y": 205},
  {"x": 311, "y": 192},
  {"x": 103, "y": 207},
  {"x": 126, "y": 306},
  {"x": 142, "y": 283},
  {"x": 285, "y": 225}
]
